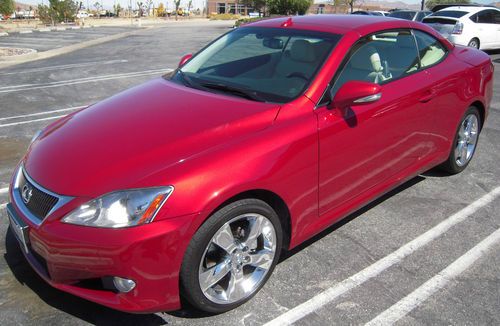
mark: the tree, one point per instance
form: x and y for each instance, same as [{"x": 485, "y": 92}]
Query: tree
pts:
[
  {"x": 148, "y": 5},
  {"x": 98, "y": 8},
  {"x": 161, "y": 10},
  {"x": 257, "y": 5},
  {"x": 177, "y": 4},
  {"x": 289, "y": 7},
  {"x": 57, "y": 11},
  {"x": 7, "y": 7},
  {"x": 140, "y": 6},
  {"x": 117, "y": 9},
  {"x": 431, "y": 3}
]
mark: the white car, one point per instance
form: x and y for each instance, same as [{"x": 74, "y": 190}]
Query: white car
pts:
[{"x": 477, "y": 27}]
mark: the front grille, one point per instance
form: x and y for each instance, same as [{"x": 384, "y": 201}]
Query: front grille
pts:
[{"x": 39, "y": 202}]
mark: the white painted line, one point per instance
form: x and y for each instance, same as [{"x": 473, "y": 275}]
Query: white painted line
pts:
[
  {"x": 2, "y": 206},
  {"x": 26, "y": 32},
  {"x": 44, "y": 29},
  {"x": 17, "y": 88},
  {"x": 4, "y": 34},
  {"x": 381, "y": 265},
  {"x": 42, "y": 113},
  {"x": 68, "y": 66},
  {"x": 4, "y": 190},
  {"x": 31, "y": 121},
  {"x": 439, "y": 281},
  {"x": 60, "y": 28}
]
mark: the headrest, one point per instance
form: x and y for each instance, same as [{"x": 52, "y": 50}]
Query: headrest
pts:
[
  {"x": 366, "y": 58},
  {"x": 303, "y": 51}
]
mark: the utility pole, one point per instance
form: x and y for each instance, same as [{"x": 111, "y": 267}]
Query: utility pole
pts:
[{"x": 422, "y": 5}]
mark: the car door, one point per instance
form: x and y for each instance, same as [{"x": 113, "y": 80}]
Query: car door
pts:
[{"x": 376, "y": 141}]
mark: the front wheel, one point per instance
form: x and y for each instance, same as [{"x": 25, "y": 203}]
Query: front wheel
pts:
[
  {"x": 231, "y": 256},
  {"x": 465, "y": 142}
]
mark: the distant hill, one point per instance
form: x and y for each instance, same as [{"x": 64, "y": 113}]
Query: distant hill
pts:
[{"x": 391, "y": 4}]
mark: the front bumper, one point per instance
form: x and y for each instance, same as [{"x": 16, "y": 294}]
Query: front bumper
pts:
[{"x": 76, "y": 259}]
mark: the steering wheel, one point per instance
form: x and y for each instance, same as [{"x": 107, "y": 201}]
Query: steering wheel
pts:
[{"x": 297, "y": 74}]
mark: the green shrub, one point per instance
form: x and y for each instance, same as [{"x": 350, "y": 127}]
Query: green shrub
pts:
[
  {"x": 224, "y": 17},
  {"x": 243, "y": 21}
]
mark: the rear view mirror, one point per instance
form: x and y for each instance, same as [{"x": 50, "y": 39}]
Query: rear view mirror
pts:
[
  {"x": 185, "y": 59},
  {"x": 356, "y": 92},
  {"x": 273, "y": 43}
]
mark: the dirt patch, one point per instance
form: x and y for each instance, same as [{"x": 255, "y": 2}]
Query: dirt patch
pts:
[{"x": 9, "y": 52}]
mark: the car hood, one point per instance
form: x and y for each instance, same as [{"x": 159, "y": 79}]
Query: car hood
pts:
[{"x": 118, "y": 142}]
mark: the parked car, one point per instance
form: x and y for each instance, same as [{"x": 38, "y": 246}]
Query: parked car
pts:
[
  {"x": 415, "y": 15},
  {"x": 477, "y": 27},
  {"x": 367, "y": 13},
  {"x": 194, "y": 182}
]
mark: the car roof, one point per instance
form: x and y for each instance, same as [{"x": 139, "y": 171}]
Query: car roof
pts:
[
  {"x": 337, "y": 24},
  {"x": 468, "y": 9}
]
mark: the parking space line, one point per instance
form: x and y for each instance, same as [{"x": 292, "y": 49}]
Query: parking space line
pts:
[
  {"x": 30, "y": 121},
  {"x": 42, "y": 113},
  {"x": 381, "y": 265},
  {"x": 74, "y": 65},
  {"x": 439, "y": 281},
  {"x": 25, "y": 87}
]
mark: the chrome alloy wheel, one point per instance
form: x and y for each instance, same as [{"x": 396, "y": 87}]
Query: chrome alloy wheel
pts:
[
  {"x": 237, "y": 259},
  {"x": 467, "y": 140}
]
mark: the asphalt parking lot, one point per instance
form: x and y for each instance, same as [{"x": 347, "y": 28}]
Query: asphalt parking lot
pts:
[
  {"x": 52, "y": 39},
  {"x": 417, "y": 256}
]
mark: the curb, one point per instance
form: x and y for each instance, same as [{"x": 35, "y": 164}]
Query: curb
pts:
[
  {"x": 15, "y": 60},
  {"x": 4, "y": 34}
]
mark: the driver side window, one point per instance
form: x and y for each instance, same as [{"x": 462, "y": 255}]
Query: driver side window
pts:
[{"x": 380, "y": 58}]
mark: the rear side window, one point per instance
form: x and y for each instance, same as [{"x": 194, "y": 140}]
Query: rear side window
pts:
[
  {"x": 486, "y": 17},
  {"x": 430, "y": 50}
]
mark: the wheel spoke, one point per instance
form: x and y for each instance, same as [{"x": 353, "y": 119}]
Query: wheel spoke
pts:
[
  {"x": 463, "y": 154},
  {"x": 262, "y": 259},
  {"x": 213, "y": 275},
  {"x": 235, "y": 288},
  {"x": 255, "y": 231},
  {"x": 225, "y": 239}
]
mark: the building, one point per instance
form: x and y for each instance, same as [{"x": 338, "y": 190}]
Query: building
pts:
[{"x": 227, "y": 7}]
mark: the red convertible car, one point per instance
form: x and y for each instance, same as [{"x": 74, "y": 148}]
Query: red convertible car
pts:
[{"x": 190, "y": 185}]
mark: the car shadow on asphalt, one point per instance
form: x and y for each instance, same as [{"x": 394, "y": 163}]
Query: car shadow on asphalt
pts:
[
  {"x": 100, "y": 315},
  {"x": 287, "y": 254},
  {"x": 70, "y": 304}
]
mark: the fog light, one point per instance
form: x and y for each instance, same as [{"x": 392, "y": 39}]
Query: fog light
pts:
[{"x": 123, "y": 284}]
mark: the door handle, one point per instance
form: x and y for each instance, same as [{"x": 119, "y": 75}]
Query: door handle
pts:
[{"x": 429, "y": 95}]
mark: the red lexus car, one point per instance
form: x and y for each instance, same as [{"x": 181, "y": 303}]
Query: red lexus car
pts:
[{"x": 191, "y": 184}]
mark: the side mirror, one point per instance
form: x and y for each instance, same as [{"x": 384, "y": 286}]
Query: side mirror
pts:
[
  {"x": 185, "y": 59},
  {"x": 356, "y": 92}
]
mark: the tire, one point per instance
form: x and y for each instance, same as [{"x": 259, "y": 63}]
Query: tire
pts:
[
  {"x": 464, "y": 142},
  {"x": 233, "y": 245},
  {"x": 474, "y": 43}
]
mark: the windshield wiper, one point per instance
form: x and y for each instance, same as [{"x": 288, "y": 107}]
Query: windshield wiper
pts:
[
  {"x": 239, "y": 91},
  {"x": 188, "y": 81}
]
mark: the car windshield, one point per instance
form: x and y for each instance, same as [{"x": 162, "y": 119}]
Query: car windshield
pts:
[
  {"x": 450, "y": 13},
  {"x": 261, "y": 64},
  {"x": 403, "y": 14}
]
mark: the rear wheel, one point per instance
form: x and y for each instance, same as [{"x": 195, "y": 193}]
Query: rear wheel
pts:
[
  {"x": 474, "y": 43},
  {"x": 465, "y": 142},
  {"x": 231, "y": 256}
]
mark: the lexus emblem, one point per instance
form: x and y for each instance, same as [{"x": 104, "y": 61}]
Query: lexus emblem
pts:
[{"x": 26, "y": 193}]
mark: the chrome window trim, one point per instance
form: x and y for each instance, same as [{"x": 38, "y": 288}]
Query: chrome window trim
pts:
[{"x": 61, "y": 200}]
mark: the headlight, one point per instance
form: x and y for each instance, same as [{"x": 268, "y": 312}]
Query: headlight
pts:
[{"x": 121, "y": 208}]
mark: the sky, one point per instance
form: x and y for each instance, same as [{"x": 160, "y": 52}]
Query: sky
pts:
[{"x": 108, "y": 4}]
